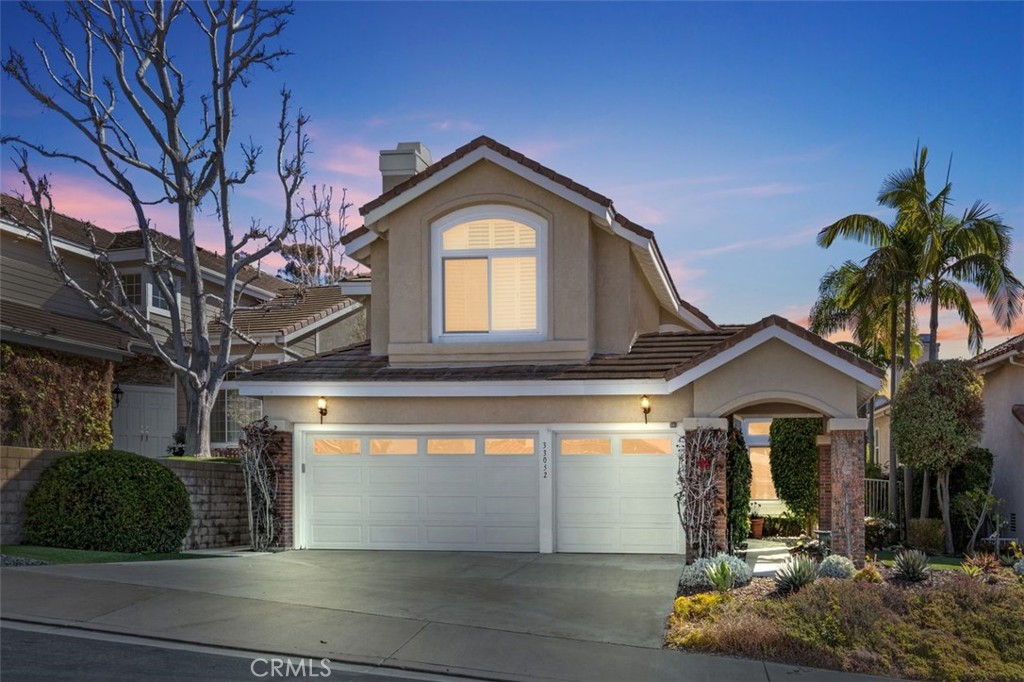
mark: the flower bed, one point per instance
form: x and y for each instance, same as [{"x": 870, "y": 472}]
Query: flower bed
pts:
[{"x": 950, "y": 627}]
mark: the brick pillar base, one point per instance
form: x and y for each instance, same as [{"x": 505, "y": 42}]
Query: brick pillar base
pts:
[
  {"x": 281, "y": 453},
  {"x": 824, "y": 483},
  {"x": 847, "y": 467}
]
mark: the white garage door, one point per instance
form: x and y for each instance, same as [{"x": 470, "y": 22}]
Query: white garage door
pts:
[
  {"x": 422, "y": 491},
  {"x": 616, "y": 493},
  {"x": 145, "y": 420}
]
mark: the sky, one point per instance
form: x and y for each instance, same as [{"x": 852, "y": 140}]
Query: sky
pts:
[{"x": 734, "y": 131}]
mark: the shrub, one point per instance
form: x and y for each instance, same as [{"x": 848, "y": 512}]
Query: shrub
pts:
[
  {"x": 986, "y": 562},
  {"x": 721, "y": 576},
  {"x": 784, "y": 525},
  {"x": 797, "y": 573},
  {"x": 928, "y": 535},
  {"x": 836, "y": 566},
  {"x": 695, "y": 575},
  {"x": 1018, "y": 569},
  {"x": 879, "y": 532},
  {"x": 177, "y": 446},
  {"x": 912, "y": 565},
  {"x": 738, "y": 488},
  {"x": 868, "y": 574},
  {"x": 698, "y": 606},
  {"x": 794, "y": 465},
  {"x": 108, "y": 500}
]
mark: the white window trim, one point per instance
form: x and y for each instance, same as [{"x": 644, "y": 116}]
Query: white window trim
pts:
[
  {"x": 148, "y": 289},
  {"x": 437, "y": 229}
]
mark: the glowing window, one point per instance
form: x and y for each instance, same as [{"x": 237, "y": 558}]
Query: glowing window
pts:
[
  {"x": 586, "y": 446},
  {"x": 509, "y": 446},
  {"x": 647, "y": 446},
  {"x": 336, "y": 446},
  {"x": 394, "y": 446},
  {"x": 451, "y": 446},
  {"x": 759, "y": 428},
  {"x": 761, "y": 487}
]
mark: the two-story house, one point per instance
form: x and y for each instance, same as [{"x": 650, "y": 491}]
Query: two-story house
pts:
[
  {"x": 530, "y": 373},
  {"x": 37, "y": 311}
]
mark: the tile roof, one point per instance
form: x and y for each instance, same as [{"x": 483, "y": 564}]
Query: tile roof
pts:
[
  {"x": 77, "y": 231},
  {"x": 1014, "y": 344},
  {"x": 25, "y": 319},
  {"x": 661, "y": 355},
  {"x": 291, "y": 312}
]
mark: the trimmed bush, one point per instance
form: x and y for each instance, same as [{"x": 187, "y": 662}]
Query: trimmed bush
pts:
[
  {"x": 928, "y": 535},
  {"x": 836, "y": 566},
  {"x": 738, "y": 475},
  {"x": 879, "y": 532},
  {"x": 1018, "y": 569},
  {"x": 794, "y": 465},
  {"x": 108, "y": 500},
  {"x": 695, "y": 576}
]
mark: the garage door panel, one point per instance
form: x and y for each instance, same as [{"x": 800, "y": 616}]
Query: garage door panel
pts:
[
  {"x": 523, "y": 538},
  {"x": 646, "y": 477},
  {"x": 441, "y": 474},
  {"x": 597, "y": 477},
  {"x": 394, "y": 505},
  {"x": 502, "y": 477},
  {"x": 328, "y": 478},
  {"x": 634, "y": 539},
  {"x": 451, "y": 535},
  {"x": 337, "y": 504},
  {"x": 452, "y": 505},
  {"x": 395, "y": 535},
  {"x": 593, "y": 504},
  {"x": 333, "y": 535},
  {"x": 642, "y": 506},
  {"x": 391, "y": 475},
  {"x": 526, "y": 506}
]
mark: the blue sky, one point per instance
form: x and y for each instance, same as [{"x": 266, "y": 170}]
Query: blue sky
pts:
[{"x": 735, "y": 131}]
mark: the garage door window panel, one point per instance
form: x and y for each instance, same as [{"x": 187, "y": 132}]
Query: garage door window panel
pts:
[
  {"x": 451, "y": 446},
  {"x": 586, "y": 446},
  {"x": 394, "y": 446},
  {"x": 647, "y": 446},
  {"x": 509, "y": 446},
  {"x": 337, "y": 446}
]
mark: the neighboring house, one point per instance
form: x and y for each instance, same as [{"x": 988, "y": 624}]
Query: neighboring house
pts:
[
  {"x": 1002, "y": 368},
  {"x": 517, "y": 321},
  {"x": 36, "y": 310}
]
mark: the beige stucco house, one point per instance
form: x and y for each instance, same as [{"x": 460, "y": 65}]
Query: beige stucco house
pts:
[
  {"x": 518, "y": 326},
  {"x": 1002, "y": 368}
]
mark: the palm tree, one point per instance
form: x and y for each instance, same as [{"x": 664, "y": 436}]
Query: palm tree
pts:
[
  {"x": 873, "y": 292},
  {"x": 971, "y": 250}
]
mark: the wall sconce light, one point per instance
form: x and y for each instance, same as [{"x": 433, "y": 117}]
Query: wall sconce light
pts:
[
  {"x": 321, "y": 406},
  {"x": 645, "y": 405},
  {"x": 116, "y": 393}
]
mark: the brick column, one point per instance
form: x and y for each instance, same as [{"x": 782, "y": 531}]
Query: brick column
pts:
[
  {"x": 825, "y": 482},
  {"x": 718, "y": 459},
  {"x": 847, "y": 465},
  {"x": 281, "y": 452}
]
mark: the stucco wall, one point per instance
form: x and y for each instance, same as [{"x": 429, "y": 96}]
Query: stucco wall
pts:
[
  {"x": 775, "y": 372},
  {"x": 1004, "y": 436},
  {"x": 506, "y": 410},
  {"x": 597, "y": 297}
]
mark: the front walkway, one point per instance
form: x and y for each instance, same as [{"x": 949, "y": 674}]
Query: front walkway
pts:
[{"x": 766, "y": 556}]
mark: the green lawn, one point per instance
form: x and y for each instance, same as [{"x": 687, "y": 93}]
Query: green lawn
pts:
[
  {"x": 56, "y": 555},
  {"x": 941, "y": 562}
]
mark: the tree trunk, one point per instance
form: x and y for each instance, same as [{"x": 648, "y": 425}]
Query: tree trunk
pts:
[
  {"x": 908, "y": 474},
  {"x": 926, "y": 494},
  {"x": 198, "y": 405},
  {"x": 943, "y": 492},
  {"x": 872, "y": 452},
  {"x": 933, "y": 326},
  {"x": 893, "y": 498}
]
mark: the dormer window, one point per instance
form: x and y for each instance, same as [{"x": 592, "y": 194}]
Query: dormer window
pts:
[{"x": 489, "y": 280}]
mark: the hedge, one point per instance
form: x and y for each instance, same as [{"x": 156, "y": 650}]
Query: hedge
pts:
[
  {"x": 794, "y": 465},
  {"x": 739, "y": 474}
]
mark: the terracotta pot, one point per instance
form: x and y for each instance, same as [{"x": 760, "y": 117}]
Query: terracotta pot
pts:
[{"x": 756, "y": 528}]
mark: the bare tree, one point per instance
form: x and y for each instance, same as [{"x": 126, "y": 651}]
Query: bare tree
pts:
[
  {"x": 159, "y": 136},
  {"x": 315, "y": 253}
]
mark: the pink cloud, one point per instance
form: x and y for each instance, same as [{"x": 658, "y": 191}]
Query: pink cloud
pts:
[
  {"x": 349, "y": 159},
  {"x": 461, "y": 125},
  {"x": 686, "y": 280}
]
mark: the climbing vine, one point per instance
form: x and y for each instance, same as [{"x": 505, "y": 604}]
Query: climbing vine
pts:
[
  {"x": 54, "y": 400},
  {"x": 260, "y": 482},
  {"x": 697, "y": 499}
]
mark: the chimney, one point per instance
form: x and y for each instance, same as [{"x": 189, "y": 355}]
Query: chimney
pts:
[
  {"x": 926, "y": 343},
  {"x": 398, "y": 165}
]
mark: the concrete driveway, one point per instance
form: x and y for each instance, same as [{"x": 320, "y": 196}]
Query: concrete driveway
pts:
[{"x": 618, "y": 599}]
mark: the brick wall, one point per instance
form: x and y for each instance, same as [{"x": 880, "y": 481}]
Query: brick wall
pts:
[
  {"x": 847, "y": 464},
  {"x": 216, "y": 492},
  {"x": 824, "y": 483},
  {"x": 281, "y": 453}
]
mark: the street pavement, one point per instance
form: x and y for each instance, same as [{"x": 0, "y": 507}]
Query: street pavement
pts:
[{"x": 490, "y": 616}]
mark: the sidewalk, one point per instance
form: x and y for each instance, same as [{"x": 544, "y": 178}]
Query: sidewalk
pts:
[{"x": 108, "y": 601}]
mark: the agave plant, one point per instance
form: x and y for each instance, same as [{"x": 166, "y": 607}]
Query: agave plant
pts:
[
  {"x": 912, "y": 565},
  {"x": 798, "y": 572}
]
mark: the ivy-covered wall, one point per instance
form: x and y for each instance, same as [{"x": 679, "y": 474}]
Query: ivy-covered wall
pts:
[{"x": 54, "y": 400}]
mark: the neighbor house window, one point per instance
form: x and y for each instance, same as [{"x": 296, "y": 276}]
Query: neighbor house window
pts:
[
  {"x": 230, "y": 413},
  {"x": 488, "y": 274},
  {"x": 158, "y": 299},
  {"x": 133, "y": 289}
]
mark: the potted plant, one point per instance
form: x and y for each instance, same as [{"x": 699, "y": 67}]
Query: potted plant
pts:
[{"x": 756, "y": 521}]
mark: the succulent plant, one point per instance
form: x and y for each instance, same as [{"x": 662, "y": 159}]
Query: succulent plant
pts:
[
  {"x": 721, "y": 576},
  {"x": 695, "y": 575},
  {"x": 868, "y": 574},
  {"x": 912, "y": 565},
  {"x": 836, "y": 566},
  {"x": 798, "y": 572}
]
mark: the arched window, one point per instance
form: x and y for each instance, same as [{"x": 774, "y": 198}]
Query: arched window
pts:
[{"x": 488, "y": 272}]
